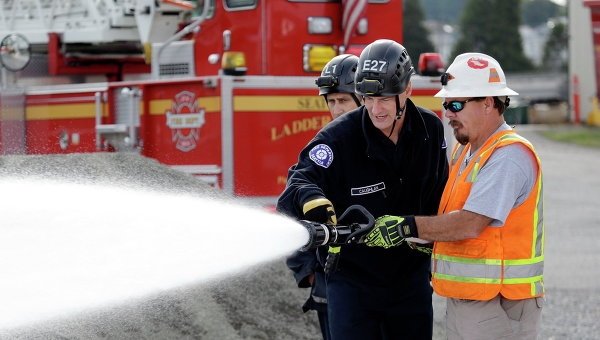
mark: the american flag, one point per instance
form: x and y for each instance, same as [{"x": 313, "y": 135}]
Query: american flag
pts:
[{"x": 353, "y": 11}]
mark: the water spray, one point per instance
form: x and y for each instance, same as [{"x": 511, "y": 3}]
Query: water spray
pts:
[
  {"x": 65, "y": 251},
  {"x": 321, "y": 234}
]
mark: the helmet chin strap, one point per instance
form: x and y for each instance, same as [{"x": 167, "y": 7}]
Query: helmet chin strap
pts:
[
  {"x": 399, "y": 113},
  {"x": 399, "y": 110},
  {"x": 358, "y": 104}
]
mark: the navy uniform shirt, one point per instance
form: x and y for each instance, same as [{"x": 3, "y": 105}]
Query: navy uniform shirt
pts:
[{"x": 350, "y": 161}]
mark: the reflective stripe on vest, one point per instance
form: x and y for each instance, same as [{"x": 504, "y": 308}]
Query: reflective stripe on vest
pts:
[{"x": 489, "y": 270}]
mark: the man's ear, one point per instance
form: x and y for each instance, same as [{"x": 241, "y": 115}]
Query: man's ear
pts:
[
  {"x": 408, "y": 89},
  {"x": 489, "y": 103}
]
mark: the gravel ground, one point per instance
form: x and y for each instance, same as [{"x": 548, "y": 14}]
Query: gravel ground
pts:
[
  {"x": 572, "y": 199},
  {"x": 263, "y": 302}
]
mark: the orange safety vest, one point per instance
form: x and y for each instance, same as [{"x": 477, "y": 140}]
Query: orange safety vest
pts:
[{"x": 507, "y": 260}]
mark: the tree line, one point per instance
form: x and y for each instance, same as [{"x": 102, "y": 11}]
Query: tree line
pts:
[{"x": 489, "y": 26}]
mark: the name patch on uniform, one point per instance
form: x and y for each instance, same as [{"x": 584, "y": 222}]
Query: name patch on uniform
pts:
[
  {"x": 369, "y": 189},
  {"x": 321, "y": 155}
]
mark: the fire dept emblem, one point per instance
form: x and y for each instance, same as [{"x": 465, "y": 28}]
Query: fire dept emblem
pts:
[
  {"x": 321, "y": 155},
  {"x": 185, "y": 118}
]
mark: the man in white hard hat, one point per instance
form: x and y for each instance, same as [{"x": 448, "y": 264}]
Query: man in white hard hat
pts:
[{"x": 488, "y": 255}]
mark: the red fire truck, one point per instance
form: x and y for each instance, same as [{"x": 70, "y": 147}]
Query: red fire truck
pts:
[{"x": 230, "y": 98}]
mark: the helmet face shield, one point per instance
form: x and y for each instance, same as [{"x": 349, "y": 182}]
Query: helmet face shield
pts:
[
  {"x": 327, "y": 81},
  {"x": 384, "y": 69},
  {"x": 369, "y": 87}
]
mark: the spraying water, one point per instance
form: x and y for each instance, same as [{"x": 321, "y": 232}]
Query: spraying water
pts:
[{"x": 68, "y": 247}]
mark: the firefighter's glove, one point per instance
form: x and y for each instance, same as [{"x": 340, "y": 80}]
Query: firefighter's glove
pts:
[
  {"x": 333, "y": 255},
  {"x": 319, "y": 209},
  {"x": 390, "y": 231}
]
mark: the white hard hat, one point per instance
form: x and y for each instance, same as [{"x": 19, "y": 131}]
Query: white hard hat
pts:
[{"x": 474, "y": 75}]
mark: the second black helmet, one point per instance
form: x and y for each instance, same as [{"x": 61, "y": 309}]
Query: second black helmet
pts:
[{"x": 338, "y": 75}]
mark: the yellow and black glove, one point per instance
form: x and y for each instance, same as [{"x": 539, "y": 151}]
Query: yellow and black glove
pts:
[
  {"x": 390, "y": 231},
  {"x": 321, "y": 210}
]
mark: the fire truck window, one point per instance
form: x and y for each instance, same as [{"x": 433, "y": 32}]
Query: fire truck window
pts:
[
  {"x": 370, "y": 1},
  {"x": 200, "y": 7},
  {"x": 240, "y": 4},
  {"x": 315, "y": 0}
]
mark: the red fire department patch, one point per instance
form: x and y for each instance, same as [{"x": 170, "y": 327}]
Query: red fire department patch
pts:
[
  {"x": 185, "y": 119},
  {"x": 477, "y": 63}
]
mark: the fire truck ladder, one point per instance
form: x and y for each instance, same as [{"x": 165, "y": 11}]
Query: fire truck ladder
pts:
[{"x": 92, "y": 21}]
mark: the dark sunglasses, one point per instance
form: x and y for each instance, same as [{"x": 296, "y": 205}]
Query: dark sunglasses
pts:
[{"x": 457, "y": 105}]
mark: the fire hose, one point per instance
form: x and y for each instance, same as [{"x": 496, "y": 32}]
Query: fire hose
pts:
[{"x": 321, "y": 234}]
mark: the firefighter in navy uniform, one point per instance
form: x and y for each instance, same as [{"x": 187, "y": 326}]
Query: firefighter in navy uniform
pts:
[
  {"x": 336, "y": 85},
  {"x": 390, "y": 157}
]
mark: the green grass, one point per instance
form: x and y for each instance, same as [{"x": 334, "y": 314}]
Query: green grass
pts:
[{"x": 587, "y": 136}]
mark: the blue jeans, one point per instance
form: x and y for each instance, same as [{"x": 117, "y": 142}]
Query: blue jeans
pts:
[{"x": 324, "y": 324}]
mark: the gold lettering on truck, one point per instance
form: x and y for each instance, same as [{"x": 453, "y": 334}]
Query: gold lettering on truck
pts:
[
  {"x": 311, "y": 103},
  {"x": 299, "y": 126}
]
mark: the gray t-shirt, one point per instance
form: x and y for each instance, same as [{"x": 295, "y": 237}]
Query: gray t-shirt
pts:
[{"x": 503, "y": 183}]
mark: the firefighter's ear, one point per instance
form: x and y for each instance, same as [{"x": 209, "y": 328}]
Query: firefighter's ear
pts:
[{"x": 408, "y": 89}]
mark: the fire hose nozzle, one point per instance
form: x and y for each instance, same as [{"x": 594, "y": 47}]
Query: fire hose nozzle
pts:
[{"x": 321, "y": 234}]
